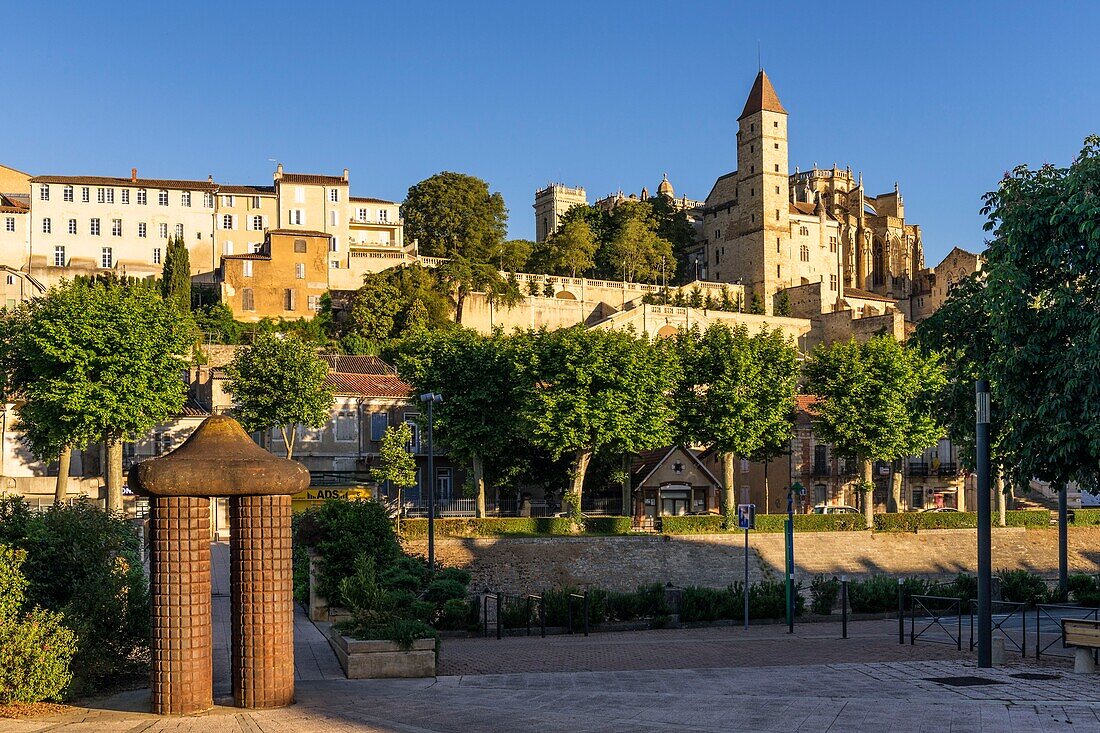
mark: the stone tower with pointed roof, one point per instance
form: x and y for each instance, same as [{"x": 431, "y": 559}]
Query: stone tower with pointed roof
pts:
[{"x": 761, "y": 232}]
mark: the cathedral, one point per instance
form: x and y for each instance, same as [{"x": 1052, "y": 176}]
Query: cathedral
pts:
[
  {"x": 816, "y": 236},
  {"x": 771, "y": 230}
]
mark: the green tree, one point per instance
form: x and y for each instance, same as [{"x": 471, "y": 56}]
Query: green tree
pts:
[
  {"x": 175, "y": 283},
  {"x": 279, "y": 382},
  {"x": 514, "y": 254},
  {"x": 783, "y": 304},
  {"x": 460, "y": 276},
  {"x": 736, "y": 395},
  {"x": 568, "y": 251},
  {"x": 875, "y": 403},
  {"x": 455, "y": 215},
  {"x": 483, "y": 393},
  {"x": 756, "y": 305},
  {"x": 395, "y": 464},
  {"x": 596, "y": 390},
  {"x": 387, "y": 306},
  {"x": 96, "y": 360},
  {"x": 674, "y": 226},
  {"x": 959, "y": 332},
  {"x": 636, "y": 252}
]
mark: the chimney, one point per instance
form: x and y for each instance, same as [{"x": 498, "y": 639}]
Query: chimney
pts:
[
  {"x": 133, "y": 175},
  {"x": 345, "y": 174},
  {"x": 209, "y": 177}
]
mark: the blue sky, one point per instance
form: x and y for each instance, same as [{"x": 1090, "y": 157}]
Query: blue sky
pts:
[{"x": 941, "y": 97}]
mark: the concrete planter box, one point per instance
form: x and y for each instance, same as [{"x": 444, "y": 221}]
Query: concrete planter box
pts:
[{"x": 363, "y": 659}]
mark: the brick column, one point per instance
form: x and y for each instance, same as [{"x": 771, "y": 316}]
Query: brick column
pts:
[
  {"x": 261, "y": 591},
  {"x": 180, "y": 586}
]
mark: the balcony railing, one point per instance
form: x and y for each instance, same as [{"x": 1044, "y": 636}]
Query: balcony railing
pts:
[
  {"x": 339, "y": 478},
  {"x": 918, "y": 468},
  {"x": 949, "y": 469}
]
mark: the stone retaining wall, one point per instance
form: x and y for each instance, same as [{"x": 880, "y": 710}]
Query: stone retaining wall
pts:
[{"x": 521, "y": 565}]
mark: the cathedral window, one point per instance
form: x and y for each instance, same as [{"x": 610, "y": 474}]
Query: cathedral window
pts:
[
  {"x": 832, "y": 244},
  {"x": 832, "y": 282},
  {"x": 804, "y": 253},
  {"x": 803, "y": 231}
]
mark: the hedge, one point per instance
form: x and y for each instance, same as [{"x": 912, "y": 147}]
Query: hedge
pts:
[
  {"x": 712, "y": 523},
  {"x": 892, "y": 522},
  {"x": 913, "y": 521},
  {"x": 417, "y": 529},
  {"x": 1086, "y": 517}
]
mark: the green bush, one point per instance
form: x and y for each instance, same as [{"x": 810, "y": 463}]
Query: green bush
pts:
[
  {"x": 771, "y": 523},
  {"x": 340, "y": 531},
  {"x": 459, "y": 614},
  {"x": 608, "y": 525},
  {"x": 876, "y": 594},
  {"x": 417, "y": 529},
  {"x": 86, "y": 564},
  {"x": 36, "y": 649},
  {"x": 702, "y": 604},
  {"x": 913, "y": 521},
  {"x": 768, "y": 599},
  {"x": 1021, "y": 586},
  {"x": 1086, "y": 517},
  {"x": 378, "y": 613},
  {"x": 824, "y": 593},
  {"x": 1085, "y": 590}
]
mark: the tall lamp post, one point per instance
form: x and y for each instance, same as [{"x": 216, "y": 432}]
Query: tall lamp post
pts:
[
  {"x": 985, "y": 523},
  {"x": 431, "y": 399}
]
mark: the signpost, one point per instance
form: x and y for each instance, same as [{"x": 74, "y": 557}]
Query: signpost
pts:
[
  {"x": 788, "y": 545},
  {"x": 746, "y": 520},
  {"x": 985, "y": 523}
]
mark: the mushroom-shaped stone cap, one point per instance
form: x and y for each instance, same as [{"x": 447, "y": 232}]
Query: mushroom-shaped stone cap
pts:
[{"x": 219, "y": 459}]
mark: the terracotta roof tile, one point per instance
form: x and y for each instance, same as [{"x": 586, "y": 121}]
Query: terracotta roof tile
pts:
[
  {"x": 127, "y": 182},
  {"x": 248, "y": 190},
  {"x": 313, "y": 179},
  {"x": 369, "y": 200},
  {"x": 805, "y": 402},
  {"x": 358, "y": 364},
  {"x": 369, "y": 385},
  {"x": 762, "y": 97},
  {"x": 247, "y": 256}
]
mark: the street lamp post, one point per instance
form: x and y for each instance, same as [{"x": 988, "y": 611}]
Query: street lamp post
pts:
[
  {"x": 985, "y": 523},
  {"x": 431, "y": 399}
]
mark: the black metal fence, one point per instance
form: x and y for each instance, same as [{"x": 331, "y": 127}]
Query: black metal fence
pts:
[
  {"x": 1009, "y": 619},
  {"x": 1048, "y": 626},
  {"x": 940, "y": 616}
]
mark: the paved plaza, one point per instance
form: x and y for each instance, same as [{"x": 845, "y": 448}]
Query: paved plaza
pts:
[{"x": 712, "y": 679}]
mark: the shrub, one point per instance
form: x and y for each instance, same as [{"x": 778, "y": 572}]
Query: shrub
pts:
[
  {"x": 876, "y": 594},
  {"x": 378, "y": 613},
  {"x": 417, "y": 529},
  {"x": 1020, "y": 586},
  {"x": 458, "y": 614},
  {"x": 36, "y": 649},
  {"x": 442, "y": 590},
  {"x": 1086, "y": 517},
  {"x": 701, "y": 604},
  {"x": 87, "y": 565},
  {"x": 824, "y": 593},
  {"x": 340, "y": 531},
  {"x": 608, "y": 525},
  {"x": 1085, "y": 590},
  {"x": 913, "y": 521},
  {"x": 717, "y": 524},
  {"x": 768, "y": 599}
]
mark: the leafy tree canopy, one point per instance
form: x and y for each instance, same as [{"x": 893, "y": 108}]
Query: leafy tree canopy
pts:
[
  {"x": 279, "y": 382},
  {"x": 175, "y": 284},
  {"x": 453, "y": 214}
]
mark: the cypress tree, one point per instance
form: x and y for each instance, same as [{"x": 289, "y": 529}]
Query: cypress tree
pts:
[{"x": 175, "y": 285}]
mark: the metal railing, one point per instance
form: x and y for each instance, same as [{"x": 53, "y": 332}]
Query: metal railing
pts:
[
  {"x": 917, "y": 468},
  {"x": 584, "y": 601},
  {"x": 485, "y": 613},
  {"x": 339, "y": 478},
  {"x": 602, "y": 505},
  {"x": 1005, "y": 615},
  {"x": 1054, "y": 613},
  {"x": 936, "y": 610}
]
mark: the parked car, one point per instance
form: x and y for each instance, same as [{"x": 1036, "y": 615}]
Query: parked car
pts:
[
  {"x": 838, "y": 509},
  {"x": 939, "y": 509}
]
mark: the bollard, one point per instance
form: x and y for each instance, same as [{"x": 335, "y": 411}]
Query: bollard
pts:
[
  {"x": 542, "y": 613},
  {"x": 485, "y": 614},
  {"x": 844, "y": 606},
  {"x": 586, "y": 612},
  {"x": 901, "y": 611}
]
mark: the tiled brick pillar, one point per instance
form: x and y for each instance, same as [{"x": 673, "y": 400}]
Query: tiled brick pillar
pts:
[
  {"x": 180, "y": 584},
  {"x": 261, "y": 591}
]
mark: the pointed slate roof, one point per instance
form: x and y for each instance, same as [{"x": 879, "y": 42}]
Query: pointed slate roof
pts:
[{"x": 762, "y": 97}]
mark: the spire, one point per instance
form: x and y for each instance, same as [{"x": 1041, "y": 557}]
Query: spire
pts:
[{"x": 762, "y": 98}]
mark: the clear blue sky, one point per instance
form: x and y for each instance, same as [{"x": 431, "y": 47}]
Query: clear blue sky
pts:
[{"x": 942, "y": 98}]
